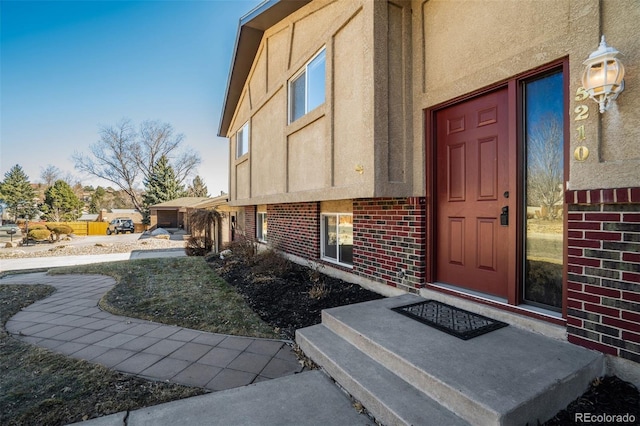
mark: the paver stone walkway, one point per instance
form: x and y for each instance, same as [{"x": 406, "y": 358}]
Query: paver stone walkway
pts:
[{"x": 71, "y": 323}]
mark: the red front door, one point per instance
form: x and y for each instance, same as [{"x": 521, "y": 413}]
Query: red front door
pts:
[{"x": 472, "y": 188}]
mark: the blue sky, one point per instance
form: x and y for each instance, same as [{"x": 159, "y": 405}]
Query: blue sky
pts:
[{"x": 70, "y": 67}]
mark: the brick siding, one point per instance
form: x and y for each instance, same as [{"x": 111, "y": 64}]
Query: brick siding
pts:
[
  {"x": 250, "y": 221},
  {"x": 388, "y": 237},
  {"x": 603, "y": 295},
  {"x": 295, "y": 228},
  {"x": 389, "y": 241}
]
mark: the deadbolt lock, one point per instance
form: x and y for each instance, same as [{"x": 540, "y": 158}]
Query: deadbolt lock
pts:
[{"x": 504, "y": 216}]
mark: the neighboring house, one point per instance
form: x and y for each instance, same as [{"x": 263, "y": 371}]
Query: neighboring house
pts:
[
  {"x": 225, "y": 228},
  {"x": 174, "y": 213},
  {"x": 88, "y": 217},
  {"x": 399, "y": 144}
]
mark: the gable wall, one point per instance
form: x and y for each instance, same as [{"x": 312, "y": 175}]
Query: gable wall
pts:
[
  {"x": 359, "y": 142},
  {"x": 314, "y": 157}
]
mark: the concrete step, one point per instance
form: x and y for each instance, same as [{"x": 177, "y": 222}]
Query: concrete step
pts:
[
  {"x": 390, "y": 399},
  {"x": 509, "y": 376}
]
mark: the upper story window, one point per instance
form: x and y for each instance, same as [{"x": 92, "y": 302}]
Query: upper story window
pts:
[
  {"x": 242, "y": 141},
  {"x": 306, "y": 88}
]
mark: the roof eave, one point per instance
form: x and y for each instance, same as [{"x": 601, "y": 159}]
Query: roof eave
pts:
[{"x": 250, "y": 30}]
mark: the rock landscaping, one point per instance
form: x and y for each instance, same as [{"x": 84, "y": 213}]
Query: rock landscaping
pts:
[{"x": 80, "y": 246}]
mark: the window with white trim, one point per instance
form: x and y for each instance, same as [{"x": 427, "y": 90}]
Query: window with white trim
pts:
[
  {"x": 242, "y": 140},
  {"x": 307, "y": 87},
  {"x": 261, "y": 227},
  {"x": 337, "y": 238}
]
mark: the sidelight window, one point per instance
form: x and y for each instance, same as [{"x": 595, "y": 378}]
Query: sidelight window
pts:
[{"x": 544, "y": 189}]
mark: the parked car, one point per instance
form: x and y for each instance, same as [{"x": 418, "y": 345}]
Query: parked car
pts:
[
  {"x": 120, "y": 225},
  {"x": 10, "y": 231}
]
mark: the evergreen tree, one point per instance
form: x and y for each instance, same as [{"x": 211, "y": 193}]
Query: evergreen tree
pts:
[
  {"x": 97, "y": 199},
  {"x": 197, "y": 188},
  {"x": 17, "y": 193},
  {"x": 162, "y": 185},
  {"x": 61, "y": 203}
]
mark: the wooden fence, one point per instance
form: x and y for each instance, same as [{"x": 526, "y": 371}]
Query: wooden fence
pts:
[
  {"x": 82, "y": 228},
  {"x": 85, "y": 228}
]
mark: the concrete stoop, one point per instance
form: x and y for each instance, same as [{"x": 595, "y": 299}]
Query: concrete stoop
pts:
[{"x": 405, "y": 372}]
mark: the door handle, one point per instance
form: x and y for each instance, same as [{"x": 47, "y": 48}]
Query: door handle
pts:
[{"x": 504, "y": 216}]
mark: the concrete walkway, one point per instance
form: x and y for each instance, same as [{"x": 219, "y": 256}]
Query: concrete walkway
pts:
[
  {"x": 305, "y": 399},
  {"x": 27, "y": 263},
  {"x": 70, "y": 322}
]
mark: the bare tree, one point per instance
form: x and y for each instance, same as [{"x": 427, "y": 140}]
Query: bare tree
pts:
[
  {"x": 50, "y": 174},
  {"x": 545, "y": 168},
  {"x": 126, "y": 157}
]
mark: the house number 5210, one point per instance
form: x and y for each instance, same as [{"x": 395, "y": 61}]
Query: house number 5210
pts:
[{"x": 582, "y": 113}]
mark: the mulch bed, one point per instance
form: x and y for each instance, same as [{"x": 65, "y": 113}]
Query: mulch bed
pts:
[
  {"x": 286, "y": 295},
  {"x": 606, "y": 399},
  {"x": 289, "y": 296}
]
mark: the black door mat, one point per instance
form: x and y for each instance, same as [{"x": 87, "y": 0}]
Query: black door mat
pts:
[{"x": 457, "y": 322}]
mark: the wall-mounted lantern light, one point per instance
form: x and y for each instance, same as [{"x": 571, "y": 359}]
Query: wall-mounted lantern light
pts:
[{"x": 603, "y": 77}]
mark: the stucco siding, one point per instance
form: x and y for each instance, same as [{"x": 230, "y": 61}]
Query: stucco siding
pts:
[
  {"x": 464, "y": 36},
  {"x": 396, "y": 94},
  {"x": 329, "y": 152},
  {"x": 613, "y": 137},
  {"x": 309, "y": 27},
  {"x": 242, "y": 188},
  {"x": 351, "y": 146},
  {"x": 277, "y": 48},
  {"x": 258, "y": 78},
  {"x": 622, "y": 124},
  {"x": 387, "y": 62},
  {"x": 309, "y": 153},
  {"x": 268, "y": 150},
  {"x": 463, "y": 46},
  {"x": 243, "y": 113}
]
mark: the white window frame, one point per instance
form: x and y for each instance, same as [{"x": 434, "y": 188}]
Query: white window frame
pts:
[
  {"x": 337, "y": 260},
  {"x": 240, "y": 148},
  {"x": 261, "y": 218},
  {"x": 304, "y": 70}
]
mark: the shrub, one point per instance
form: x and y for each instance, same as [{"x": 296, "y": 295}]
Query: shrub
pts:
[
  {"x": 63, "y": 229},
  {"x": 59, "y": 229},
  {"x": 319, "y": 290},
  {"x": 39, "y": 234},
  {"x": 198, "y": 246},
  {"x": 271, "y": 263},
  {"x": 314, "y": 270},
  {"x": 245, "y": 248},
  {"x": 35, "y": 226}
]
